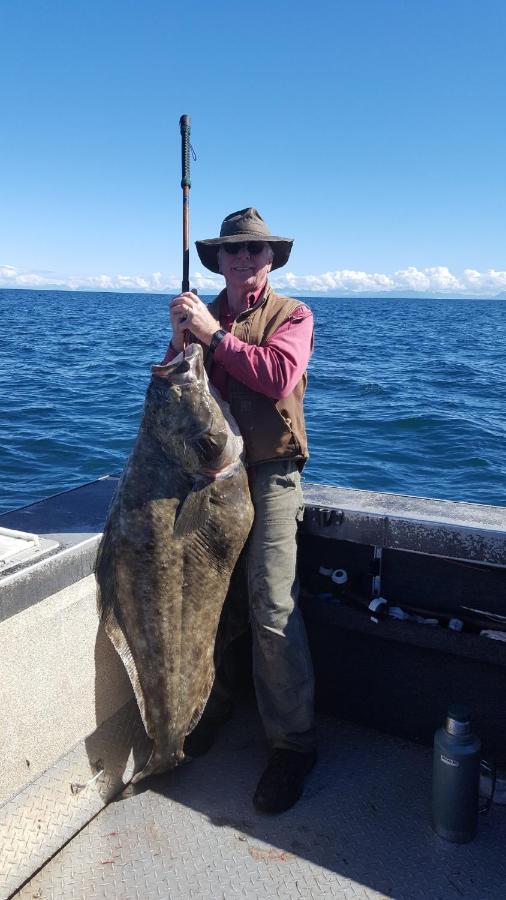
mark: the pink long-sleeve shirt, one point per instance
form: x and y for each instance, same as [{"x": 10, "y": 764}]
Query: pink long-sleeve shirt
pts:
[{"x": 272, "y": 369}]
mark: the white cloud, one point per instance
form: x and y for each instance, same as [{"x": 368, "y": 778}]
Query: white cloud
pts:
[
  {"x": 156, "y": 282},
  {"x": 344, "y": 280},
  {"x": 432, "y": 280},
  {"x": 491, "y": 281},
  {"x": 411, "y": 279},
  {"x": 206, "y": 282},
  {"x": 437, "y": 278}
]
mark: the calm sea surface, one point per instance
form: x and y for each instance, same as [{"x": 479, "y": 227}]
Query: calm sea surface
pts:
[{"x": 407, "y": 396}]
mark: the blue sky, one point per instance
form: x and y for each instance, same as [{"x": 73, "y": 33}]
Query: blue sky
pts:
[{"x": 372, "y": 131}]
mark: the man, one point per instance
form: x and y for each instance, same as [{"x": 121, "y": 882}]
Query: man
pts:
[{"x": 257, "y": 346}]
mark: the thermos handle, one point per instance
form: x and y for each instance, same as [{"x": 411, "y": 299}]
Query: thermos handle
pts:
[{"x": 489, "y": 770}]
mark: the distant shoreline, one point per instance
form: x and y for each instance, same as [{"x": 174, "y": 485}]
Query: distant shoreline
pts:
[{"x": 307, "y": 296}]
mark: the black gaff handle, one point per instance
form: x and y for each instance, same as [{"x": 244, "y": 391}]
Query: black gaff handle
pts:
[
  {"x": 184, "y": 124},
  {"x": 185, "y": 128}
]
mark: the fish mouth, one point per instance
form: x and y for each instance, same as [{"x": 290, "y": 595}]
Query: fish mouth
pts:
[{"x": 186, "y": 368}]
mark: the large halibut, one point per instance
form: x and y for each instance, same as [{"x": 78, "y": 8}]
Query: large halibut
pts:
[{"x": 178, "y": 521}]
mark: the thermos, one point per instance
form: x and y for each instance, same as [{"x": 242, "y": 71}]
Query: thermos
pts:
[{"x": 456, "y": 778}]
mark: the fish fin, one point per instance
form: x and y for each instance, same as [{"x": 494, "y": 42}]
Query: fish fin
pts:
[
  {"x": 205, "y": 694},
  {"x": 191, "y": 514},
  {"x": 105, "y": 574},
  {"x": 109, "y": 612}
]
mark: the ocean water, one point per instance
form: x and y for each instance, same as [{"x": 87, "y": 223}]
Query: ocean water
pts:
[{"x": 407, "y": 396}]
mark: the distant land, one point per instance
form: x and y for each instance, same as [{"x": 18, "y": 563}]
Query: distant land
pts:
[{"x": 400, "y": 295}]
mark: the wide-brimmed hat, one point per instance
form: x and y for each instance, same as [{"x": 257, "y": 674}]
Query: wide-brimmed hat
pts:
[{"x": 239, "y": 227}]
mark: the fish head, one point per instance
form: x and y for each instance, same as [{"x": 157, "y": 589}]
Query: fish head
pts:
[{"x": 186, "y": 419}]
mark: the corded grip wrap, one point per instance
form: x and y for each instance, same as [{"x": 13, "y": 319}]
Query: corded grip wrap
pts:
[{"x": 184, "y": 123}]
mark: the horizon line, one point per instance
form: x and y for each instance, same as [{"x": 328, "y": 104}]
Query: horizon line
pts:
[{"x": 391, "y": 295}]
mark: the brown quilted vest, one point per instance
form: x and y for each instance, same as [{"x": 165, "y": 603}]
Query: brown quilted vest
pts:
[{"x": 271, "y": 429}]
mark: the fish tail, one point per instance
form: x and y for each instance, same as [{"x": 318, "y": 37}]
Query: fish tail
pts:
[{"x": 159, "y": 762}]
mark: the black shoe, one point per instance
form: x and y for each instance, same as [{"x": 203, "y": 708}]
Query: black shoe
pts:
[
  {"x": 282, "y": 783},
  {"x": 201, "y": 739}
]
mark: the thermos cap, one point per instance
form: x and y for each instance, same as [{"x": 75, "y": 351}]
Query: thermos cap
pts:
[
  {"x": 459, "y": 712},
  {"x": 458, "y": 719}
]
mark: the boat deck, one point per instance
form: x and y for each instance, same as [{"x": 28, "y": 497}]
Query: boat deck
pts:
[{"x": 361, "y": 830}]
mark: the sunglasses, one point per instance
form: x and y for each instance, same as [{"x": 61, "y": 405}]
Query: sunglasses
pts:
[{"x": 254, "y": 248}]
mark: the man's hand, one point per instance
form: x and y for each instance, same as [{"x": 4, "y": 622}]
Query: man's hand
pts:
[{"x": 187, "y": 312}]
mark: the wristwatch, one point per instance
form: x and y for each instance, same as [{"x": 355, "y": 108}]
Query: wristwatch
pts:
[{"x": 216, "y": 338}]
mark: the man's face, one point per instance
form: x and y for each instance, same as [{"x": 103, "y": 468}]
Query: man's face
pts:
[{"x": 247, "y": 269}]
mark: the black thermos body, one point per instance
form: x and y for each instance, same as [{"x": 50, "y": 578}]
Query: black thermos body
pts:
[{"x": 456, "y": 778}]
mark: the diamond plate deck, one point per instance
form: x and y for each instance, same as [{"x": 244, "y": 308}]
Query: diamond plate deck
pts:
[
  {"x": 48, "y": 812},
  {"x": 361, "y": 830}
]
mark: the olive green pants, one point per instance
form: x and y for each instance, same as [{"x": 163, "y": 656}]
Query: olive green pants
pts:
[{"x": 282, "y": 666}]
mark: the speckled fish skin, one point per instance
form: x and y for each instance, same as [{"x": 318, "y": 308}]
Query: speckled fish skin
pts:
[{"x": 177, "y": 524}]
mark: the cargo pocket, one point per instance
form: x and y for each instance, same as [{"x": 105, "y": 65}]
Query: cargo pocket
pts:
[{"x": 288, "y": 476}]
